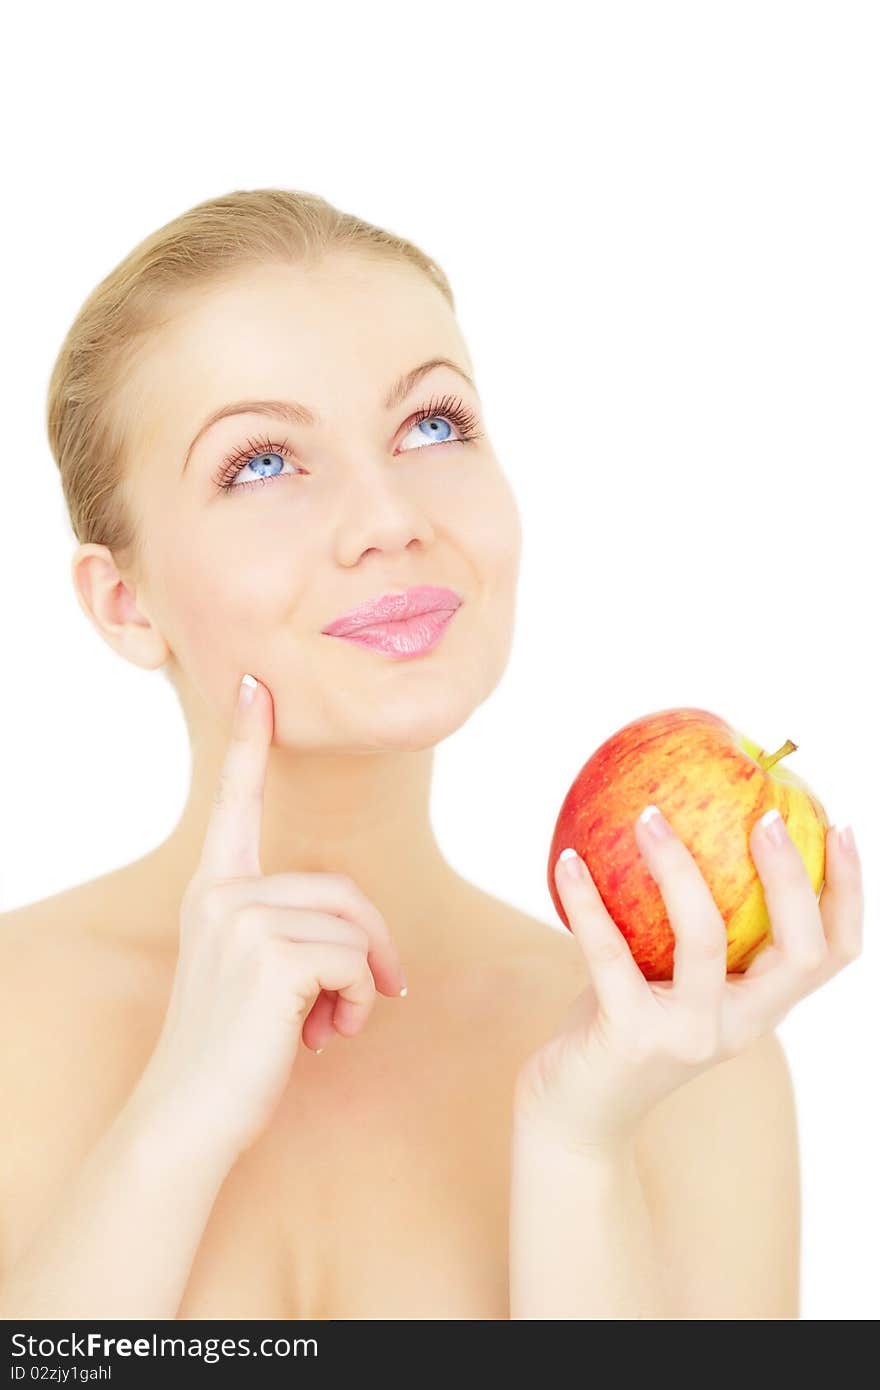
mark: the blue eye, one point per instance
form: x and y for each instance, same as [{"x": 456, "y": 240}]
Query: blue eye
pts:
[
  {"x": 266, "y": 457},
  {"x": 264, "y": 464},
  {"x": 432, "y": 430},
  {"x": 263, "y": 457}
]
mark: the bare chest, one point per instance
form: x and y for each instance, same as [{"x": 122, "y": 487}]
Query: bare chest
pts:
[
  {"x": 379, "y": 1191},
  {"x": 387, "y": 1180}
]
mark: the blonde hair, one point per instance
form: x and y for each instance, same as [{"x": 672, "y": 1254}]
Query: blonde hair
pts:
[{"x": 209, "y": 241}]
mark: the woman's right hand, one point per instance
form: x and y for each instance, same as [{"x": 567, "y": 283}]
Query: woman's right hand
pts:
[{"x": 263, "y": 960}]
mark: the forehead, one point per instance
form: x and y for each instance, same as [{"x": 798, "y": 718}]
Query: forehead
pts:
[
  {"x": 342, "y": 292},
  {"x": 329, "y": 336}
]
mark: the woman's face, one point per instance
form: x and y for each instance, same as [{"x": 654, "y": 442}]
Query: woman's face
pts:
[{"x": 320, "y": 517}]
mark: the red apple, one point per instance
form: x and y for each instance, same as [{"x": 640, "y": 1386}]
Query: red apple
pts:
[{"x": 711, "y": 783}]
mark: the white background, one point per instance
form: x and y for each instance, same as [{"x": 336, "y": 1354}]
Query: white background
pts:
[{"x": 661, "y": 227}]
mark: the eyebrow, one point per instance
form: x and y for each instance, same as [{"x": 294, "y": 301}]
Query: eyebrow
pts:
[{"x": 296, "y": 414}]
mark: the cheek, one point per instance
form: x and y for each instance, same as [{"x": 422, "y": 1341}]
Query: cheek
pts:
[
  {"x": 494, "y": 532},
  {"x": 219, "y": 615},
  {"x": 491, "y": 538}
]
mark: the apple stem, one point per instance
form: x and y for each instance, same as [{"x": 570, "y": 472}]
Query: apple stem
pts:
[{"x": 768, "y": 759}]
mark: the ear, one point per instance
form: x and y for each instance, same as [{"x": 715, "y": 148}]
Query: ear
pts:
[{"x": 109, "y": 600}]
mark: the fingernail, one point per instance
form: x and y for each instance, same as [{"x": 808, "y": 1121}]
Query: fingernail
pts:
[
  {"x": 246, "y": 690},
  {"x": 847, "y": 840},
  {"x": 656, "y": 822},
  {"x": 571, "y": 864},
  {"x": 773, "y": 827}
]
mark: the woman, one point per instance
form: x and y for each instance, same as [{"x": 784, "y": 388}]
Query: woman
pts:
[{"x": 533, "y": 1131}]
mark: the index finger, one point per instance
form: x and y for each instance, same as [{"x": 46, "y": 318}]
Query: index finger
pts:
[
  {"x": 231, "y": 846},
  {"x": 618, "y": 982}
]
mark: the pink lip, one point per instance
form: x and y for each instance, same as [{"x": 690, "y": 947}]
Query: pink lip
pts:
[
  {"x": 399, "y": 625},
  {"x": 391, "y": 608},
  {"x": 409, "y": 637}
]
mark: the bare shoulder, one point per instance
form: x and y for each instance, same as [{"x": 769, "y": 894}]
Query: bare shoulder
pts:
[
  {"x": 538, "y": 970},
  {"x": 49, "y": 948},
  {"x": 63, "y": 977},
  {"x": 746, "y": 1102},
  {"x": 527, "y": 936},
  {"x": 42, "y": 953}
]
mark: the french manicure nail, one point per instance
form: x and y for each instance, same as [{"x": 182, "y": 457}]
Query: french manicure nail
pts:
[
  {"x": 773, "y": 827},
  {"x": 571, "y": 864},
  {"x": 846, "y": 839},
  {"x": 656, "y": 822}
]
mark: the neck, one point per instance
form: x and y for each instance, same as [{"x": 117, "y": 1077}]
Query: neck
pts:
[{"x": 363, "y": 815}]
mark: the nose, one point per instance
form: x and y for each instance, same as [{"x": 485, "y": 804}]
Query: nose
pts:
[{"x": 380, "y": 515}]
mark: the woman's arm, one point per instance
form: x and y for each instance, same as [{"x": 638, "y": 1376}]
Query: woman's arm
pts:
[
  {"x": 628, "y": 1045},
  {"x": 581, "y": 1244},
  {"x": 698, "y": 1217},
  {"x": 721, "y": 1171},
  {"x": 122, "y": 1242}
]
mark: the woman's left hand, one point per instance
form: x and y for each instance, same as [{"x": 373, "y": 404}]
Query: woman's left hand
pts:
[{"x": 627, "y": 1042}]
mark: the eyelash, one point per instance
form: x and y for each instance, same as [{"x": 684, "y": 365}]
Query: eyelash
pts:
[{"x": 451, "y": 408}]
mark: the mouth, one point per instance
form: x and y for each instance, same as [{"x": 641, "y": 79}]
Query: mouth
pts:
[
  {"x": 406, "y": 638},
  {"x": 395, "y": 607}
]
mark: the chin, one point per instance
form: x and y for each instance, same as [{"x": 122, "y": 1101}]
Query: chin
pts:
[
  {"x": 407, "y": 717},
  {"x": 407, "y": 724},
  {"x": 401, "y": 721}
]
